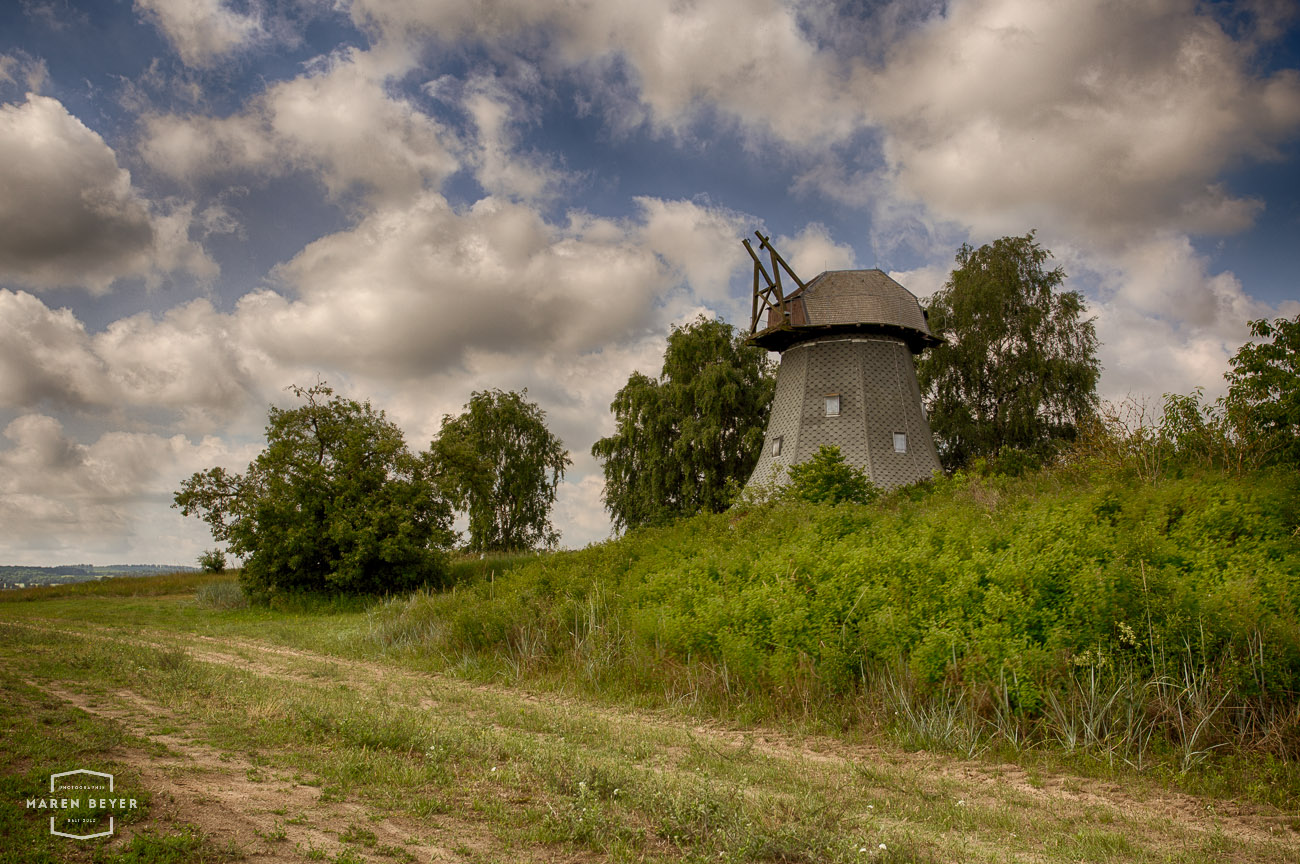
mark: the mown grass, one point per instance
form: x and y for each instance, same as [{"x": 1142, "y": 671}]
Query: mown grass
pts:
[
  {"x": 43, "y": 736},
  {"x": 564, "y": 774}
]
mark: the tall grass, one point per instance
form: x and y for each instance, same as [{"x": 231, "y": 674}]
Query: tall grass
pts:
[
  {"x": 1124, "y": 619},
  {"x": 221, "y": 595}
]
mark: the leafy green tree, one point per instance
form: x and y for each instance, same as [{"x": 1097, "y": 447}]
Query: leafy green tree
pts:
[
  {"x": 1019, "y": 368},
  {"x": 827, "y": 479},
  {"x": 213, "y": 561},
  {"x": 505, "y": 466},
  {"x": 1263, "y": 400},
  {"x": 336, "y": 502},
  {"x": 684, "y": 441}
]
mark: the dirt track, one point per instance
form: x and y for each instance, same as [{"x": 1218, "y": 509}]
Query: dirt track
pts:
[{"x": 271, "y": 815}]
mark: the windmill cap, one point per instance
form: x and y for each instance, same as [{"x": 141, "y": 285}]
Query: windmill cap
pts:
[{"x": 849, "y": 301}]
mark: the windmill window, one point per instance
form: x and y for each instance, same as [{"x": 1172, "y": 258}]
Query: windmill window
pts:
[
  {"x": 833, "y": 405},
  {"x": 776, "y": 446},
  {"x": 900, "y": 442}
]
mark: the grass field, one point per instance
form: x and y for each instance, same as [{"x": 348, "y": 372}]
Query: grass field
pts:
[{"x": 293, "y": 735}]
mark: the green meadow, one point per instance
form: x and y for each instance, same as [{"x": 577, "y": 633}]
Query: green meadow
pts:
[{"x": 1073, "y": 664}]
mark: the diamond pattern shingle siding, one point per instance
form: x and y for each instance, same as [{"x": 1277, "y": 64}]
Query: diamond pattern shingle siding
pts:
[{"x": 875, "y": 378}]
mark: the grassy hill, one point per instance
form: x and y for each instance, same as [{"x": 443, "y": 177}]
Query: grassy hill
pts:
[
  {"x": 986, "y": 669},
  {"x": 1074, "y": 609}
]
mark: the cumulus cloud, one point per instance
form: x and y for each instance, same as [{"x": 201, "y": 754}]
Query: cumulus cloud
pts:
[
  {"x": 812, "y": 251},
  {"x": 413, "y": 288},
  {"x": 1097, "y": 118},
  {"x": 338, "y": 120},
  {"x": 70, "y": 215},
  {"x": 665, "y": 61},
  {"x": 190, "y": 362},
  {"x": 202, "y": 31},
  {"x": 416, "y": 306},
  {"x": 108, "y": 498}
]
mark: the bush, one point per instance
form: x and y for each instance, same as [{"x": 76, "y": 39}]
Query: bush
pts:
[
  {"x": 213, "y": 561},
  {"x": 827, "y": 479}
]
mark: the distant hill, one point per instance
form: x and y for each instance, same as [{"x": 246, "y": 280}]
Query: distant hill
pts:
[{"x": 12, "y": 576}]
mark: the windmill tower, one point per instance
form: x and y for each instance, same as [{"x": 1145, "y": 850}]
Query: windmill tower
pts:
[{"x": 847, "y": 377}]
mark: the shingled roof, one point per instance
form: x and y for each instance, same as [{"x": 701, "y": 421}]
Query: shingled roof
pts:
[{"x": 861, "y": 301}]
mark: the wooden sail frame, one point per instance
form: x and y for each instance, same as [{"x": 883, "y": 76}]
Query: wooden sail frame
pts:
[{"x": 772, "y": 296}]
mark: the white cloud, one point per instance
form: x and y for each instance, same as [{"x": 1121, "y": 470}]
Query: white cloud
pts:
[
  {"x": 496, "y": 112},
  {"x": 812, "y": 251},
  {"x": 411, "y": 289},
  {"x": 415, "y": 307},
  {"x": 700, "y": 242},
  {"x": 338, "y": 120},
  {"x": 1106, "y": 126},
  {"x": 70, "y": 215},
  {"x": 750, "y": 60},
  {"x": 21, "y": 69},
  {"x": 189, "y": 362},
  {"x": 202, "y": 31},
  {"x": 45, "y": 356},
  {"x": 1098, "y": 119},
  {"x": 106, "y": 501}
]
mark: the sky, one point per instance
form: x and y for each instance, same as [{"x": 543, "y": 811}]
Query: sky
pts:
[{"x": 203, "y": 202}]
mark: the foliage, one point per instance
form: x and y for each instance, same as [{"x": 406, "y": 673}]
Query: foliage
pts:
[
  {"x": 1019, "y": 366},
  {"x": 684, "y": 441},
  {"x": 506, "y": 466},
  {"x": 213, "y": 561},
  {"x": 1008, "y": 592},
  {"x": 1263, "y": 402},
  {"x": 336, "y": 502},
  {"x": 1255, "y": 424},
  {"x": 827, "y": 479}
]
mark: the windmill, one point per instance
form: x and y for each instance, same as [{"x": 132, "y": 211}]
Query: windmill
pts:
[{"x": 847, "y": 376}]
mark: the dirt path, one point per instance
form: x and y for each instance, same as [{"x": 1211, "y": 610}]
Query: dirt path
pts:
[
  {"x": 228, "y": 796},
  {"x": 265, "y": 814}
]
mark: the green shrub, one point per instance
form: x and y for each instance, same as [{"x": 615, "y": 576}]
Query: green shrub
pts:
[{"x": 827, "y": 479}]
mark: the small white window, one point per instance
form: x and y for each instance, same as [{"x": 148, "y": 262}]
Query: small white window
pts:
[
  {"x": 776, "y": 446},
  {"x": 833, "y": 405},
  {"x": 900, "y": 442}
]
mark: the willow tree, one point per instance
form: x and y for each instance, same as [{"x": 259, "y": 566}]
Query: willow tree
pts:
[
  {"x": 684, "y": 441},
  {"x": 506, "y": 467},
  {"x": 1019, "y": 365}
]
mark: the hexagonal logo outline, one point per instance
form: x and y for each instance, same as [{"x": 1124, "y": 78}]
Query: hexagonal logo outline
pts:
[{"x": 56, "y": 833}]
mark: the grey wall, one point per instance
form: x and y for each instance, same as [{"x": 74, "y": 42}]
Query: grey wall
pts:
[{"x": 876, "y": 379}]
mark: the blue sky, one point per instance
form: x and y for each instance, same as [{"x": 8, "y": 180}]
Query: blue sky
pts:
[{"x": 208, "y": 200}]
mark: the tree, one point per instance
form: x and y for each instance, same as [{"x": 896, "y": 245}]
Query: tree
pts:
[
  {"x": 684, "y": 441},
  {"x": 509, "y": 466},
  {"x": 1263, "y": 400},
  {"x": 1019, "y": 367},
  {"x": 335, "y": 502},
  {"x": 213, "y": 561},
  {"x": 827, "y": 479}
]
